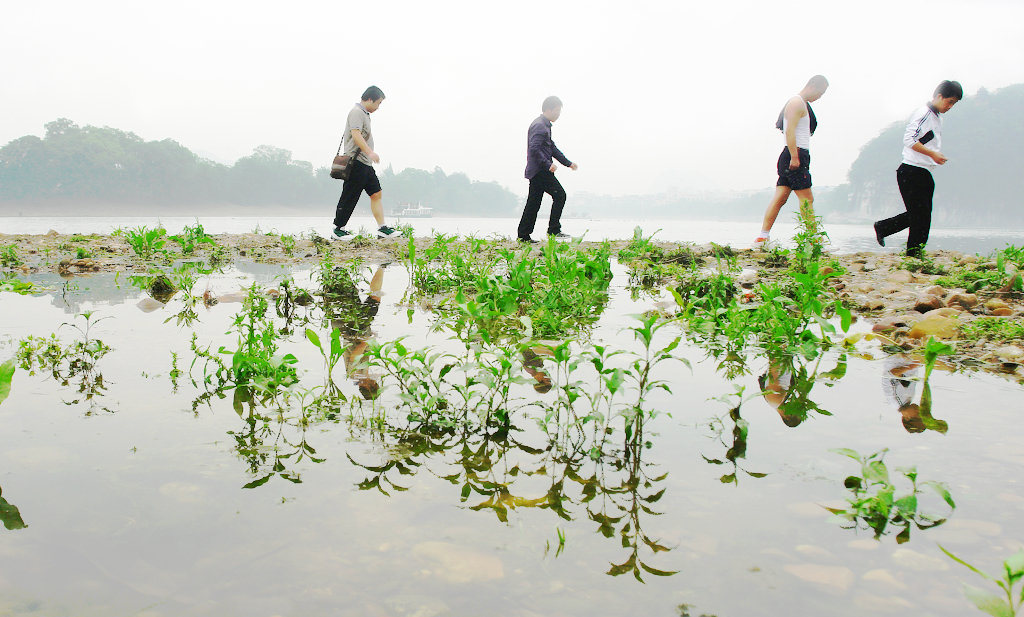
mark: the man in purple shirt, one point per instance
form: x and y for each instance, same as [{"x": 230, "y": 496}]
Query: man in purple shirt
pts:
[{"x": 540, "y": 171}]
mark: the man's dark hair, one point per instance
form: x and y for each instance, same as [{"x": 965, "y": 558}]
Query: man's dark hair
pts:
[
  {"x": 550, "y": 103},
  {"x": 373, "y": 93},
  {"x": 949, "y": 89}
]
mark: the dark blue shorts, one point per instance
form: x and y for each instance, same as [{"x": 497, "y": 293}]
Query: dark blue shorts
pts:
[{"x": 796, "y": 179}]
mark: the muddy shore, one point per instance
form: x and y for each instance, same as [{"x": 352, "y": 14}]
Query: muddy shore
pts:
[{"x": 896, "y": 296}]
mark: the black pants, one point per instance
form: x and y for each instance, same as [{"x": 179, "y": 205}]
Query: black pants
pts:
[
  {"x": 917, "y": 188},
  {"x": 543, "y": 182},
  {"x": 361, "y": 178}
]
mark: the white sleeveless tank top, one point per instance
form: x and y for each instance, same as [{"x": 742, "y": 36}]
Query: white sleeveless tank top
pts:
[{"x": 803, "y": 129}]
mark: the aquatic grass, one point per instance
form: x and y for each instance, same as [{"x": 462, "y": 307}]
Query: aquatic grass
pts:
[
  {"x": 1009, "y": 603},
  {"x": 875, "y": 503}
]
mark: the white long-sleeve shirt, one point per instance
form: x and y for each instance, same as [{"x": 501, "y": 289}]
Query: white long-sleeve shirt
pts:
[{"x": 925, "y": 126}]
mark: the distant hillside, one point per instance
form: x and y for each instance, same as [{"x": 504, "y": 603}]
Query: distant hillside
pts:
[
  {"x": 983, "y": 182},
  {"x": 87, "y": 169}
]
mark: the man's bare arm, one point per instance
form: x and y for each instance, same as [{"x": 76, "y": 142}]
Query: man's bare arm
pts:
[{"x": 357, "y": 136}]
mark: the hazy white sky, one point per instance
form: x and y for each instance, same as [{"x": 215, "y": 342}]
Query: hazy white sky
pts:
[{"x": 658, "y": 95}]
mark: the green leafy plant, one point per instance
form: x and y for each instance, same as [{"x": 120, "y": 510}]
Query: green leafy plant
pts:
[
  {"x": 9, "y": 256},
  {"x": 1006, "y": 605},
  {"x": 288, "y": 244},
  {"x": 6, "y": 376},
  {"x": 146, "y": 242},
  {"x": 191, "y": 238},
  {"x": 875, "y": 503}
]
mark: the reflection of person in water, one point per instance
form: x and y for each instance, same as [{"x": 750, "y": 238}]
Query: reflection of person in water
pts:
[
  {"x": 353, "y": 318},
  {"x": 534, "y": 365},
  {"x": 777, "y": 387},
  {"x": 898, "y": 384}
]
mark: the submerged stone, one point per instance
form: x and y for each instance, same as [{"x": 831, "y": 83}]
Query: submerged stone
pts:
[
  {"x": 834, "y": 578},
  {"x": 457, "y": 564}
]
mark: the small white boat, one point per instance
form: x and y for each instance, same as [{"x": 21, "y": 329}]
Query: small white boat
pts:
[{"x": 410, "y": 211}]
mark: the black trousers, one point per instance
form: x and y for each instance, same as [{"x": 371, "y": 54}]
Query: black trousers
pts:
[
  {"x": 361, "y": 178},
  {"x": 543, "y": 182},
  {"x": 917, "y": 188}
]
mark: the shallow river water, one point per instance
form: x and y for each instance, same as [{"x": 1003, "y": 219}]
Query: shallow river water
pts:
[{"x": 135, "y": 502}]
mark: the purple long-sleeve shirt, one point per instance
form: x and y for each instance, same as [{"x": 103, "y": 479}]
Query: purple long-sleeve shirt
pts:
[{"x": 540, "y": 149}]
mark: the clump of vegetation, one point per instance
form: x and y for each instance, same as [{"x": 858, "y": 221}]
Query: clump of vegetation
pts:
[
  {"x": 145, "y": 242},
  {"x": 76, "y": 361},
  {"x": 923, "y": 264},
  {"x": 789, "y": 315},
  {"x": 255, "y": 364},
  {"x": 288, "y": 244},
  {"x": 18, "y": 286},
  {"x": 1009, "y": 603},
  {"x": 192, "y": 238},
  {"x": 875, "y": 504},
  {"x": 9, "y": 256},
  {"x": 993, "y": 329},
  {"x": 1002, "y": 272}
]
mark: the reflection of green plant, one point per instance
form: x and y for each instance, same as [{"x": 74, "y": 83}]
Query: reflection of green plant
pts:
[
  {"x": 66, "y": 362},
  {"x": 737, "y": 448},
  {"x": 18, "y": 286},
  {"x": 874, "y": 501},
  {"x": 997, "y": 606},
  {"x": 9, "y": 515}
]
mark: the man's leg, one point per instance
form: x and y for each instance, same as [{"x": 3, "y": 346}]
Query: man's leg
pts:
[
  {"x": 921, "y": 189},
  {"x": 350, "y": 192},
  {"x": 554, "y": 188},
  {"x": 532, "y": 206},
  {"x": 377, "y": 207},
  {"x": 896, "y": 224},
  {"x": 772, "y": 213}
]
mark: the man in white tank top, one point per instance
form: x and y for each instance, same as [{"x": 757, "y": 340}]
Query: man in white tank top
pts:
[{"x": 797, "y": 123}]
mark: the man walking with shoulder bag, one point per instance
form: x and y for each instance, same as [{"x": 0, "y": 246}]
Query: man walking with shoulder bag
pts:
[{"x": 358, "y": 141}]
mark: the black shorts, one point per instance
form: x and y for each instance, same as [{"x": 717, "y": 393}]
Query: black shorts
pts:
[
  {"x": 796, "y": 179},
  {"x": 362, "y": 178}
]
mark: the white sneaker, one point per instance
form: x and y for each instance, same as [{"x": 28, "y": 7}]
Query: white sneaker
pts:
[{"x": 386, "y": 232}]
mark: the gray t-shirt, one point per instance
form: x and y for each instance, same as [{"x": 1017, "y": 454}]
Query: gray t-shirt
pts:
[{"x": 358, "y": 118}]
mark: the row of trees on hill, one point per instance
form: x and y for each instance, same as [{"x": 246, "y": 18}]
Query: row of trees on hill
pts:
[
  {"x": 91, "y": 165},
  {"x": 982, "y": 183}
]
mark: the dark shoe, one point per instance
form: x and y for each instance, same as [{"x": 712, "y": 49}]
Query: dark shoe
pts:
[
  {"x": 341, "y": 233},
  {"x": 915, "y": 252},
  {"x": 527, "y": 240},
  {"x": 560, "y": 236},
  {"x": 386, "y": 232},
  {"x": 878, "y": 235}
]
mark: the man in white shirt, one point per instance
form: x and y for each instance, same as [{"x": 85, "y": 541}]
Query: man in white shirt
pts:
[
  {"x": 922, "y": 152},
  {"x": 797, "y": 123}
]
